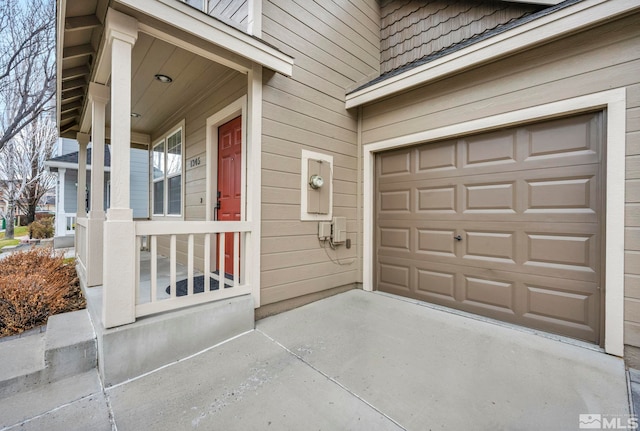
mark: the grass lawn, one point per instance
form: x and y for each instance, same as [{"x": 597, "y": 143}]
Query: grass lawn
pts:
[
  {"x": 18, "y": 231},
  {"x": 6, "y": 242}
]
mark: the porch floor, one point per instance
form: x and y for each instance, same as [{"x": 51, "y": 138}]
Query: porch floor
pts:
[
  {"x": 363, "y": 361},
  {"x": 163, "y": 276}
]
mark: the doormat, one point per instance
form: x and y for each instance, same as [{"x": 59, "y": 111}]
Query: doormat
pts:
[{"x": 198, "y": 285}]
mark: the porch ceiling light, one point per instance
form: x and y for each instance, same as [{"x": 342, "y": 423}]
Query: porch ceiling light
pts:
[
  {"x": 163, "y": 78},
  {"x": 316, "y": 181}
]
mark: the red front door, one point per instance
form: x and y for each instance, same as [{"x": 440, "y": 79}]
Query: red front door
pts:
[{"x": 229, "y": 181}]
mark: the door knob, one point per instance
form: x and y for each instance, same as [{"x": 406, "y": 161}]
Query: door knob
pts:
[{"x": 458, "y": 238}]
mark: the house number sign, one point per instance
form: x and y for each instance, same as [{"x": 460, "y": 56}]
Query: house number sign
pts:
[{"x": 194, "y": 163}]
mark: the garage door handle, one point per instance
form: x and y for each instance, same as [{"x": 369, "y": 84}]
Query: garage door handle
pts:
[{"x": 459, "y": 238}]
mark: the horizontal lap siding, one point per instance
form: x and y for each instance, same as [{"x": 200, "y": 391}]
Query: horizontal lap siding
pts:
[
  {"x": 224, "y": 91},
  {"x": 140, "y": 183},
  {"x": 600, "y": 59},
  {"x": 632, "y": 231},
  {"x": 335, "y": 44}
]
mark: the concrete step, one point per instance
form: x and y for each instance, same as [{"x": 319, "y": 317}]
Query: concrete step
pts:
[
  {"x": 67, "y": 348},
  {"x": 44, "y": 398},
  {"x": 21, "y": 356}
]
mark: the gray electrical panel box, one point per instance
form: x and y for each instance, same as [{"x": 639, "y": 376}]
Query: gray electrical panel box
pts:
[
  {"x": 324, "y": 230},
  {"x": 318, "y": 196},
  {"x": 339, "y": 230}
]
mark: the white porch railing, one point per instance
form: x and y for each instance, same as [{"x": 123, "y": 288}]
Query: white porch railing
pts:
[
  {"x": 70, "y": 223},
  {"x": 210, "y": 231},
  {"x": 81, "y": 244}
]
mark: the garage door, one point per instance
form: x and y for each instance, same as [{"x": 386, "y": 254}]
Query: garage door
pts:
[{"x": 505, "y": 224}]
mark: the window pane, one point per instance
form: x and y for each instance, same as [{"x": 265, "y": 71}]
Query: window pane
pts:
[
  {"x": 158, "y": 197},
  {"x": 174, "y": 153},
  {"x": 158, "y": 161},
  {"x": 175, "y": 194}
]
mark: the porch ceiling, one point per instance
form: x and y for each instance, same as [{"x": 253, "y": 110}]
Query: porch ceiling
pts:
[
  {"x": 156, "y": 102},
  {"x": 196, "y": 67}
]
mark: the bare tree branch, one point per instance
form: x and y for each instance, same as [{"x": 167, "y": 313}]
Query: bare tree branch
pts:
[
  {"x": 27, "y": 64},
  {"x": 37, "y": 141}
]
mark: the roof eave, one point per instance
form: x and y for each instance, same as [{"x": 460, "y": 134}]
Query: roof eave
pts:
[
  {"x": 190, "y": 20},
  {"x": 539, "y": 2},
  {"x": 62, "y": 6},
  {"x": 561, "y": 23}
]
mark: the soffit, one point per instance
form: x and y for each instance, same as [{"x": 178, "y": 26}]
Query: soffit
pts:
[
  {"x": 80, "y": 41},
  {"x": 79, "y": 30}
]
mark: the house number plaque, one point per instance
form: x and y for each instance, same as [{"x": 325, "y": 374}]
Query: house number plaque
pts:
[{"x": 194, "y": 163}]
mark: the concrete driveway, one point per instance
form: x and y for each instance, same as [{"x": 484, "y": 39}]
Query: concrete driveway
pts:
[{"x": 362, "y": 361}]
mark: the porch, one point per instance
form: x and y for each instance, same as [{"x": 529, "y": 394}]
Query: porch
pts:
[
  {"x": 168, "y": 90},
  {"x": 357, "y": 361}
]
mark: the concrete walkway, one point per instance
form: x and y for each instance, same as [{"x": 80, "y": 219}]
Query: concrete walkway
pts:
[{"x": 355, "y": 361}]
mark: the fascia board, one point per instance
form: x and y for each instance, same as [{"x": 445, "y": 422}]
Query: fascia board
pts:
[
  {"x": 561, "y": 23},
  {"x": 211, "y": 30}
]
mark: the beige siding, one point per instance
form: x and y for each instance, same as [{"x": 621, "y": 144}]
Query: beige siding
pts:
[
  {"x": 335, "y": 44},
  {"x": 231, "y": 11},
  {"x": 603, "y": 58},
  {"x": 414, "y": 29},
  {"x": 224, "y": 90}
]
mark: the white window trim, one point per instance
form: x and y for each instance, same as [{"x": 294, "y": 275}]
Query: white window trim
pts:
[
  {"x": 614, "y": 101},
  {"x": 163, "y": 140}
]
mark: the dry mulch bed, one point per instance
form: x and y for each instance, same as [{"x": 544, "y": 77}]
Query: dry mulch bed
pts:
[{"x": 34, "y": 285}]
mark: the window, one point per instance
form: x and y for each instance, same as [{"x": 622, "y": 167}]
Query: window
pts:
[{"x": 166, "y": 160}]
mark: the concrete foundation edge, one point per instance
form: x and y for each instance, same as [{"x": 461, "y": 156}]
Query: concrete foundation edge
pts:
[{"x": 129, "y": 351}]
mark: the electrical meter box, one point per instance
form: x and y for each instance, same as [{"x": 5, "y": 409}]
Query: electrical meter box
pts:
[{"x": 339, "y": 230}]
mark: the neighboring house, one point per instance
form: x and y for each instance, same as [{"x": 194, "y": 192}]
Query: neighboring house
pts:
[
  {"x": 48, "y": 203},
  {"x": 65, "y": 163},
  {"x": 469, "y": 154}
]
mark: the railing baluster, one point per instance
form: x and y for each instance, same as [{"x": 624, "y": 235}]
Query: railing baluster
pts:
[
  {"x": 221, "y": 259},
  {"x": 154, "y": 268},
  {"x": 236, "y": 258},
  {"x": 172, "y": 266},
  {"x": 161, "y": 240},
  {"x": 190, "y": 266},
  {"x": 207, "y": 262}
]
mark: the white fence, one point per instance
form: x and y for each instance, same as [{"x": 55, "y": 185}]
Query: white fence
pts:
[
  {"x": 161, "y": 238},
  {"x": 81, "y": 244},
  {"x": 69, "y": 223}
]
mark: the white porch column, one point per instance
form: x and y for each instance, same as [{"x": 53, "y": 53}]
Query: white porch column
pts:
[
  {"x": 254, "y": 195},
  {"x": 118, "y": 300},
  {"x": 98, "y": 98},
  {"x": 83, "y": 140},
  {"x": 61, "y": 222}
]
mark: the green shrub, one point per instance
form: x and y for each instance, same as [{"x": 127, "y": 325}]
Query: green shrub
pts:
[
  {"x": 34, "y": 285},
  {"x": 41, "y": 229}
]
